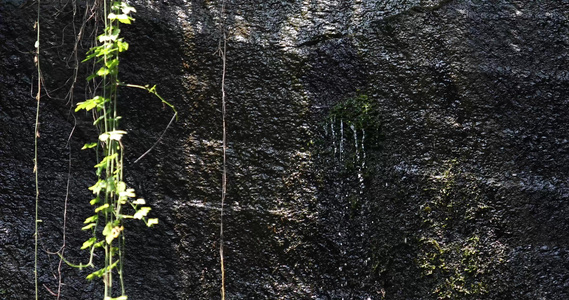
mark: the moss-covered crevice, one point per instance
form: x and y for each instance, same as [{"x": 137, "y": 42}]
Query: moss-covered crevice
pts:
[{"x": 456, "y": 254}]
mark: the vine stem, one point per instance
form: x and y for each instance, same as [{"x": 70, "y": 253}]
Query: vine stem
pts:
[
  {"x": 223, "y": 53},
  {"x": 36, "y": 135}
]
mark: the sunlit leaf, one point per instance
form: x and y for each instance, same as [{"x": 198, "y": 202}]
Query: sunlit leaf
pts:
[
  {"x": 88, "y": 243},
  {"x": 104, "y": 137},
  {"x": 117, "y": 134},
  {"x": 96, "y": 274},
  {"x": 103, "y": 71},
  {"x": 124, "y": 19},
  {"x": 104, "y": 163},
  {"x": 102, "y": 207},
  {"x": 139, "y": 201},
  {"x": 129, "y": 193},
  {"x": 151, "y": 222},
  {"x": 90, "y": 56},
  {"x": 97, "y": 187},
  {"x": 88, "y": 226},
  {"x": 94, "y": 201},
  {"x": 121, "y": 186},
  {"x": 107, "y": 229},
  {"x": 142, "y": 212},
  {"x": 107, "y": 232},
  {"x": 113, "y": 135},
  {"x": 122, "y": 46},
  {"x": 109, "y": 239},
  {"x": 86, "y": 105},
  {"x": 111, "y": 64},
  {"x": 127, "y": 9},
  {"x": 111, "y": 35},
  {"x": 91, "y": 219},
  {"x": 96, "y": 101},
  {"x": 89, "y": 146}
]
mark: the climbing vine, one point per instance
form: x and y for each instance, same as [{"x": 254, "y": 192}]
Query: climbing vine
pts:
[{"x": 114, "y": 202}]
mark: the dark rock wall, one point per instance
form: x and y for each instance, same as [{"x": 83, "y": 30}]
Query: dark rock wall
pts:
[{"x": 376, "y": 149}]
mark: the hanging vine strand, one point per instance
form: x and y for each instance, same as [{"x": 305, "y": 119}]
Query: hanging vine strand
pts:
[
  {"x": 223, "y": 52},
  {"x": 36, "y": 136}
]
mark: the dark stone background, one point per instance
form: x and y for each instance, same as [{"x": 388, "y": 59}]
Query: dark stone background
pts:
[{"x": 460, "y": 194}]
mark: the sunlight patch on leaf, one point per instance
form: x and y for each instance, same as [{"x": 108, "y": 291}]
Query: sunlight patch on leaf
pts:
[
  {"x": 88, "y": 243},
  {"x": 142, "y": 212}
]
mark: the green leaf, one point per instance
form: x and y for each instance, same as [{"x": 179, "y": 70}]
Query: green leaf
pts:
[
  {"x": 111, "y": 35},
  {"x": 103, "y": 71},
  {"x": 108, "y": 228},
  {"x": 129, "y": 193},
  {"x": 103, "y": 164},
  {"x": 111, "y": 64},
  {"x": 139, "y": 201},
  {"x": 122, "y": 46},
  {"x": 121, "y": 186},
  {"x": 88, "y": 243},
  {"x": 109, "y": 239},
  {"x": 111, "y": 232},
  {"x": 113, "y": 135},
  {"x": 124, "y": 19},
  {"x": 107, "y": 232},
  {"x": 91, "y": 77},
  {"x": 89, "y": 146},
  {"x": 87, "y": 105},
  {"x": 127, "y": 9},
  {"x": 142, "y": 212},
  {"x": 97, "y": 187},
  {"x": 96, "y": 274},
  {"x": 111, "y": 185},
  {"x": 94, "y": 201},
  {"x": 151, "y": 222},
  {"x": 90, "y": 56},
  {"x": 99, "y": 273},
  {"x": 102, "y": 207},
  {"x": 88, "y": 227},
  {"x": 90, "y": 219}
]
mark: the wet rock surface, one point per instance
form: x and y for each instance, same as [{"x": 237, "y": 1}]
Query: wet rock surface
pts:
[{"x": 459, "y": 193}]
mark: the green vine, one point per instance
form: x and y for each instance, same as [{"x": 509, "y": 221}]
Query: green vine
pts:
[{"x": 113, "y": 200}]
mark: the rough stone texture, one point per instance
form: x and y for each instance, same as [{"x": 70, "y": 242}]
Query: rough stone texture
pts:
[{"x": 460, "y": 194}]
